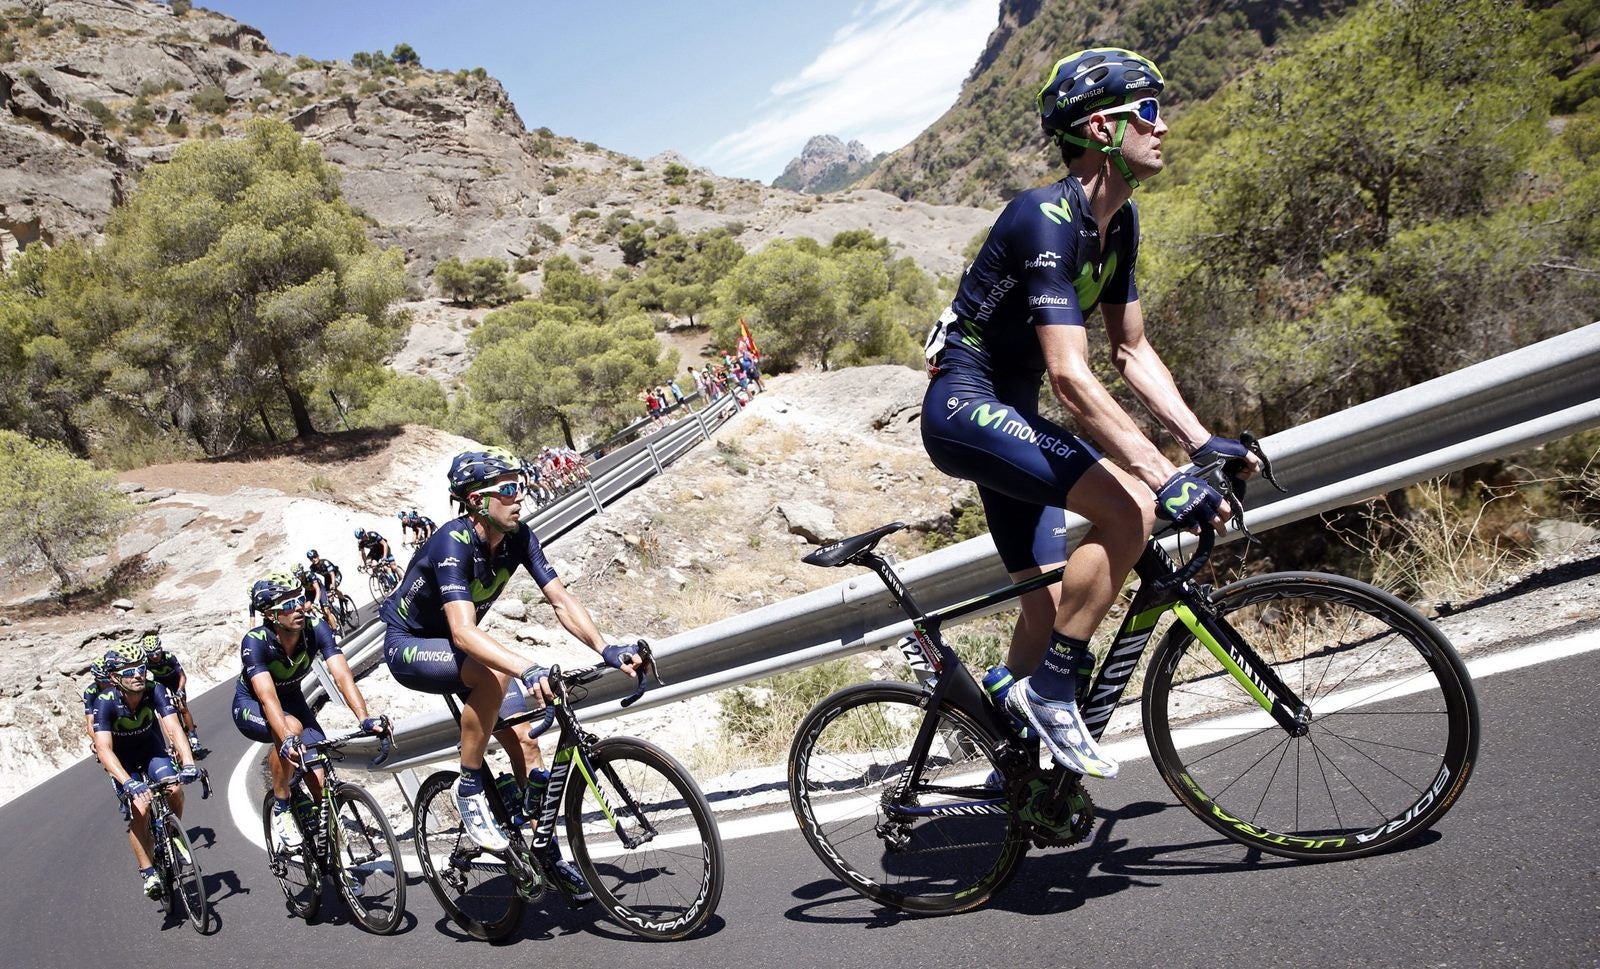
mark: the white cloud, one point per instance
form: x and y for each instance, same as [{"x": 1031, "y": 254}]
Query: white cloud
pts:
[{"x": 885, "y": 76}]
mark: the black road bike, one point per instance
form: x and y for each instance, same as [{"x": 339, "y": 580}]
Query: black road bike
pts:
[
  {"x": 346, "y": 838},
  {"x": 1304, "y": 714},
  {"x": 639, "y": 829},
  {"x": 344, "y": 610},
  {"x": 183, "y": 886},
  {"x": 381, "y": 579}
]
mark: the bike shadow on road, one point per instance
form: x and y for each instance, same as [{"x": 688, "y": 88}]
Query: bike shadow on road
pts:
[{"x": 1055, "y": 881}]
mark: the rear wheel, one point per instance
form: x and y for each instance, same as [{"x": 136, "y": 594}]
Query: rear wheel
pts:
[
  {"x": 295, "y": 871},
  {"x": 188, "y": 884},
  {"x": 471, "y": 884},
  {"x": 1390, "y": 744},
  {"x": 645, "y": 839},
  {"x": 371, "y": 873},
  {"x": 946, "y": 844}
]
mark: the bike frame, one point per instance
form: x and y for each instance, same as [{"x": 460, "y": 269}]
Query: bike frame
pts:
[
  {"x": 1163, "y": 587},
  {"x": 328, "y": 844}
]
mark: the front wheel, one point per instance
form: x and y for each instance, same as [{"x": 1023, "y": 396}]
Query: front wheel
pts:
[
  {"x": 932, "y": 837},
  {"x": 645, "y": 839},
  {"x": 295, "y": 871},
  {"x": 1391, "y": 739},
  {"x": 188, "y": 884},
  {"x": 471, "y": 884},
  {"x": 371, "y": 875}
]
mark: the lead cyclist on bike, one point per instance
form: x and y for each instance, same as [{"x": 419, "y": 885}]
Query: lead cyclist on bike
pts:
[
  {"x": 433, "y": 643},
  {"x": 1053, "y": 255},
  {"x": 168, "y": 671}
]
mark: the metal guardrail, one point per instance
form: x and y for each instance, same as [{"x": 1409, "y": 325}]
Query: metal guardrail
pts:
[{"x": 1493, "y": 409}]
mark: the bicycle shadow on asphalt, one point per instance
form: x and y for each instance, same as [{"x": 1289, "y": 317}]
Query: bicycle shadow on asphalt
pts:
[
  {"x": 1056, "y": 881},
  {"x": 551, "y": 919}
]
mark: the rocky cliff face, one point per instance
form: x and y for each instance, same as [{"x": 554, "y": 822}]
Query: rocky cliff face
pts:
[
  {"x": 827, "y": 164},
  {"x": 91, "y": 91}
]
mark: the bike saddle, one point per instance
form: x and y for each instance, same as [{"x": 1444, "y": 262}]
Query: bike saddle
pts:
[{"x": 845, "y": 550}]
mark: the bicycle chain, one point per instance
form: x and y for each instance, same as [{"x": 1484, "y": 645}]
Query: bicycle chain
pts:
[{"x": 1030, "y": 801}]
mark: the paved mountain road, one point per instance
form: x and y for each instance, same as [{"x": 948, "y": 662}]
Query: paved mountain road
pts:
[{"x": 1510, "y": 877}]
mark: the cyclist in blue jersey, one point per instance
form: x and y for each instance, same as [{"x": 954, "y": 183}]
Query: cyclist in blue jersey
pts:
[
  {"x": 135, "y": 726},
  {"x": 268, "y": 704},
  {"x": 433, "y": 643},
  {"x": 168, "y": 671},
  {"x": 376, "y": 553},
  {"x": 99, "y": 682},
  {"x": 325, "y": 570},
  {"x": 316, "y": 596},
  {"x": 1018, "y": 319}
]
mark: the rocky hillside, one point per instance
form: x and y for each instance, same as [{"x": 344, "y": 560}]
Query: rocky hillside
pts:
[
  {"x": 827, "y": 164},
  {"x": 988, "y": 146},
  {"x": 441, "y": 163}
]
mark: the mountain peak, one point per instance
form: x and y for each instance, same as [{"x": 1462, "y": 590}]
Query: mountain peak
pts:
[{"x": 827, "y": 164}]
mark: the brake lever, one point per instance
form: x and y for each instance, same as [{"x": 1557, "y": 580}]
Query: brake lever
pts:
[{"x": 647, "y": 672}]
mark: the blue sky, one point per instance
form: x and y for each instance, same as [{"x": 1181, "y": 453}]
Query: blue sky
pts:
[{"x": 735, "y": 85}]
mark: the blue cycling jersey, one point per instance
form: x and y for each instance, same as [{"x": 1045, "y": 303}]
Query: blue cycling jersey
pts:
[
  {"x": 90, "y": 692},
  {"x": 455, "y": 566},
  {"x": 1041, "y": 265},
  {"x": 133, "y": 727},
  {"x": 167, "y": 671},
  {"x": 262, "y": 652}
]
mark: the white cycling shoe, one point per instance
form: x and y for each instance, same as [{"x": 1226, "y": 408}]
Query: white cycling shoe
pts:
[
  {"x": 478, "y": 819},
  {"x": 285, "y": 833},
  {"x": 1061, "y": 727}
]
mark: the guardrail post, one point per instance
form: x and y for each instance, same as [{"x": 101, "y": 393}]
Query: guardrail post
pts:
[
  {"x": 407, "y": 779},
  {"x": 651, "y": 447},
  {"x": 594, "y": 496}
]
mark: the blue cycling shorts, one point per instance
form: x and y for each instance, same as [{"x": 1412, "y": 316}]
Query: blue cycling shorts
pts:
[
  {"x": 247, "y": 716},
  {"x": 1023, "y": 464},
  {"x": 151, "y": 763},
  {"x": 433, "y": 665}
]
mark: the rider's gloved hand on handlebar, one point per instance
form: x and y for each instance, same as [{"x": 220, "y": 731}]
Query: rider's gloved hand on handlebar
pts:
[
  {"x": 536, "y": 679},
  {"x": 1218, "y": 447},
  {"x": 1187, "y": 501},
  {"x": 375, "y": 725},
  {"x": 135, "y": 787},
  {"x": 624, "y": 658},
  {"x": 188, "y": 773},
  {"x": 291, "y": 748}
]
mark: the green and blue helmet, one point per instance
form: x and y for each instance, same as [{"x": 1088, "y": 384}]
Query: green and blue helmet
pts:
[{"x": 1093, "y": 80}]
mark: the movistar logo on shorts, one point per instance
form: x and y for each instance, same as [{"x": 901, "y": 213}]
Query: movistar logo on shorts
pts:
[
  {"x": 1019, "y": 429},
  {"x": 987, "y": 417},
  {"x": 1176, "y": 502},
  {"x": 1058, "y": 211},
  {"x": 412, "y": 654}
]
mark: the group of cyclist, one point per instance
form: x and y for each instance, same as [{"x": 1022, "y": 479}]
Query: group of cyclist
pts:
[{"x": 1017, "y": 322}]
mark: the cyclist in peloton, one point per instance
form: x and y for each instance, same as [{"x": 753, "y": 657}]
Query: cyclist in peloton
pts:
[
  {"x": 166, "y": 670},
  {"x": 99, "y": 682},
  {"x": 1053, "y": 255},
  {"x": 134, "y": 727},
  {"x": 375, "y": 551},
  {"x": 432, "y": 642},
  {"x": 268, "y": 705},
  {"x": 325, "y": 570},
  {"x": 316, "y": 595}
]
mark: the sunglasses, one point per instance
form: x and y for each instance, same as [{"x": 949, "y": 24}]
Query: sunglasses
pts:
[
  {"x": 290, "y": 605},
  {"x": 509, "y": 490},
  {"x": 1148, "y": 110},
  {"x": 130, "y": 672}
]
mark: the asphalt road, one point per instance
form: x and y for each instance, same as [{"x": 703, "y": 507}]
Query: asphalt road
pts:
[{"x": 1510, "y": 877}]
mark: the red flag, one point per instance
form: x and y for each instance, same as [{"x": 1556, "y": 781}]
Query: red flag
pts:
[{"x": 744, "y": 334}]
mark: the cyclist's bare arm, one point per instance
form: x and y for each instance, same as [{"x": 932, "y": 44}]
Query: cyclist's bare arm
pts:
[
  {"x": 172, "y": 727},
  {"x": 108, "y": 757},
  {"x": 339, "y": 669},
  {"x": 575, "y": 619},
  {"x": 1073, "y": 381},
  {"x": 465, "y": 634},
  {"x": 271, "y": 710}
]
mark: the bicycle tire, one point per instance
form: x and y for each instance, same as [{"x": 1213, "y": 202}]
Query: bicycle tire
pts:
[
  {"x": 301, "y": 882},
  {"x": 666, "y": 887},
  {"x": 372, "y": 873},
  {"x": 850, "y": 753},
  {"x": 1392, "y": 740},
  {"x": 375, "y": 586},
  {"x": 479, "y": 896},
  {"x": 188, "y": 882}
]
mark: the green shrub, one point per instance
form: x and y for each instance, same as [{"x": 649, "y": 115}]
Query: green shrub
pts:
[
  {"x": 272, "y": 80},
  {"x": 211, "y": 99}
]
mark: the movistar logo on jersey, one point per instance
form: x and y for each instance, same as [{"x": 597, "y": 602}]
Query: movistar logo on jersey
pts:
[
  {"x": 1088, "y": 284},
  {"x": 257, "y": 634},
  {"x": 1057, "y": 212},
  {"x": 987, "y": 417},
  {"x": 1176, "y": 502},
  {"x": 284, "y": 670},
  {"x": 464, "y": 536}
]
